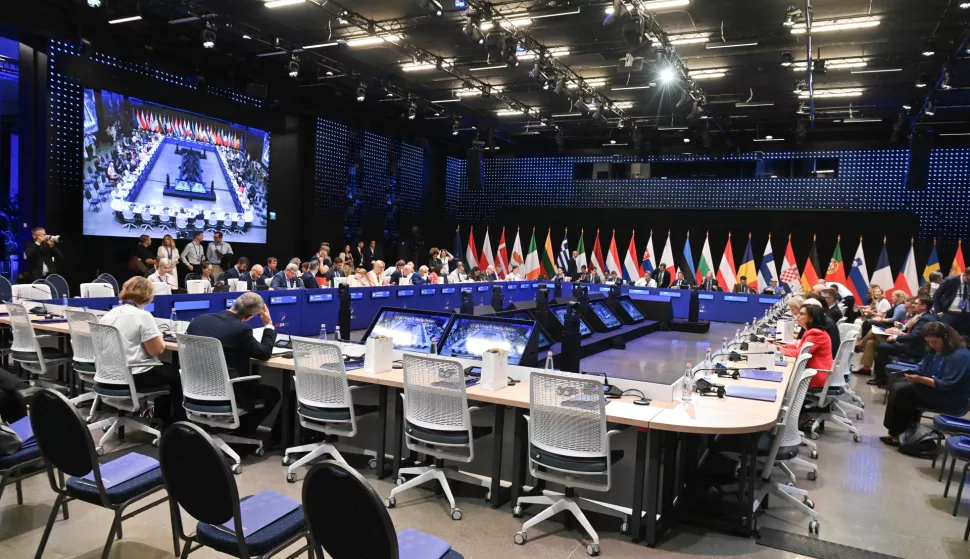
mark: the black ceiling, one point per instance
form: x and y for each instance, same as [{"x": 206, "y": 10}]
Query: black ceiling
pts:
[{"x": 331, "y": 75}]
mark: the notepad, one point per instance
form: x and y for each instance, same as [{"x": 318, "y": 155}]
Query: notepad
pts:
[
  {"x": 879, "y": 331},
  {"x": 758, "y": 374},
  {"x": 50, "y": 321},
  {"x": 24, "y": 430},
  {"x": 123, "y": 469},
  {"x": 412, "y": 544},
  {"x": 749, "y": 393},
  {"x": 781, "y": 363},
  {"x": 260, "y": 510}
]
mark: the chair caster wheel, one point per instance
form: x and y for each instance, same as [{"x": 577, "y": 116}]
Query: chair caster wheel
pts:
[
  {"x": 624, "y": 528},
  {"x": 593, "y": 549},
  {"x": 520, "y": 538},
  {"x": 809, "y": 503},
  {"x": 812, "y": 475},
  {"x": 517, "y": 511},
  {"x": 456, "y": 514},
  {"x": 285, "y": 461},
  {"x": 291, "y": 477},
  {"x": 372, "y": 463},
  {"x": 399, "y": 481},
  {"x": 858, "y": 416},
  {"x": 236, "y": 469},
  {"x": 260, "y": 452},
  {"x": 155, "y": 443},
  {"x": 488, "y": 495},
  {"x": 813, "y": 527},
  {"x": 857, "y": 438},
  {"x": 99, "y": 450},
  {"x": 813, "y": 435},
  {"x": 390, "y": 502},
  {"x": 815, "y": 454}
]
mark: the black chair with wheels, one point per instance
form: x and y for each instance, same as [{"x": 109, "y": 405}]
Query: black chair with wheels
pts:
[
  {"x": 366, "y": 519},
  {"x": 199, "y": 481},
  {"x": 65, "y": 443}
]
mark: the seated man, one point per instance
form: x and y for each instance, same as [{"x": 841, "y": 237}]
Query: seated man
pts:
[
  {"x": 831, "y": 297},
  {"x": 710, "y": 282},
  {"x": 613, "y": 278},
  {"x": 490, "y": 274},
  {"x": 288, "y": 278},
  {"x": 458, "y": 275},
  {"x": 595, "y": 277},
  {"x": 774, "y": 289},
  {"x": 398, "y": 273},
  {"x": 422, "y": 276},
  {"x": 315, "y": 275},
  {"x": 906, "y": 341},
  {"x": 239, "y": 346},
  {"x": 742, "y": 286},
  {"x": 869, "y": 343},
  {"x": 256, "y": 278},
  {"x": 645, "y": 281},
  {"x": 681, "y": 282},
  {"x": 584, "y": 275},
  {"x": 271, "y": 264},
  {"x": 560, "y": 274},
  {"x": 239, "y": 270}
]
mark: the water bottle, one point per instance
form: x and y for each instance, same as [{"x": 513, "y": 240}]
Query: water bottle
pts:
[
  {"x": 336, "y": 333},
  {"x": 323, "y": 331},
  {"x": 688, "y": 392},
  {"x": 549, "y": 364},
  {"x": 779, "y": 356},
  {"x": 173, "y": 321}
]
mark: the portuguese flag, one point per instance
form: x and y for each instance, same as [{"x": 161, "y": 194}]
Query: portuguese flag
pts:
[
  {"x": 548, "y": 257},
  {"x": 836, "y": 271}
]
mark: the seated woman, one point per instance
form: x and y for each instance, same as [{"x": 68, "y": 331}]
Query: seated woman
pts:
[
  {"x": 812, "y": 320},
  {"x": 941, "y": 383},
  {"x": 205, "y": 272},
  {"x": 359, "y": 279},
  {"x": 435, "y": 274},
  {"x": 376, "y": 276},
  {"x": 143, "y": 343}
]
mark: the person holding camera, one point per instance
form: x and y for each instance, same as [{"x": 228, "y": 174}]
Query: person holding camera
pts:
[{"x": 41, "y": 255}]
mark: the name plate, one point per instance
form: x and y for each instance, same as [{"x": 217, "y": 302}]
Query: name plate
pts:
[
  {"x": 282, "y": 300},
  {"x": 229, "y": 303},
  {"x": 604, "y": 289},
  {"x": 639, "y": 292},
  {"x": 405, "y": 292},
  {"x": 427, "y": 291},
  {"x": 322, "y": 297},
  {"x": 670, "y": 293},
  {"x": 466, "y": 289},
  {"x": 356, "y": 295},
  {"x": 767, "y": 301},
  {"x": 483, "y": 288},
  {"x": 511, "y": 287},
  {"x": 535, "y": 285},
  {"x": 380, "y": 294},
  {"x": 447, "y": 290},
  {"x": 736, "y": 299},
  {"x": 191, "y": 305},
  {"x": 704, "y": 296}
]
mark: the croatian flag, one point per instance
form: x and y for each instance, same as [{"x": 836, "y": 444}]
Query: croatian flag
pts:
[
  {"x": 631, "y": 270},
  {"x": 859, "y": 276}
]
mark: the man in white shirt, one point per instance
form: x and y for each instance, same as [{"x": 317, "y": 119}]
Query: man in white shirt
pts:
[
  {"x": 164, "y": 274},
  {"x": 459, "y": 275},
  {"x": 645, "y": 281},
  {"x": 216, "y": 251},
  {"x": 193, "y": 254}
]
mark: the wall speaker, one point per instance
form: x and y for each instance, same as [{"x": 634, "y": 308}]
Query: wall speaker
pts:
[
  {"x": 473, "y": 165},
  {"x": 918, "y": 169}
]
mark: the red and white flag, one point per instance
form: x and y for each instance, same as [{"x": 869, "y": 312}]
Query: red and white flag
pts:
[
  {"x": 907, "y": 280},
  {"x": 789, "y": 270},
  {"x": 502, "y": 265},
  {"x": 486, "y": 258},
  {"x": 613, "y": 257},
  {"x": 598, "y": 261},
  {"x": 471, "y": 253}
]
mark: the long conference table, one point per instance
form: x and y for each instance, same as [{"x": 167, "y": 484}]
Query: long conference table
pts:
[
  {"x": 302, "y": 311},
  {"x": 665, "y": 428}
]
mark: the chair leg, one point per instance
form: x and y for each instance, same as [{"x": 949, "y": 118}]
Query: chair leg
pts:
[
  {"x": 115, "y": 526},
  {"x": 946, "y": 490},
  {"x": 572, "y": 507},
  {"x": 788, "y": 472},
  {"x": 963, "y": 478},
  {"x": 60, "y": 476},
  {"x": 111, "y": 430},
  {"x": 446, "y": 487},
  {"x": 545, "y": 514},
  {"x": 227, "y": 450},
  {"x": 421, "y": 478},
  {"x": 316, "y": 453},
  {"x": 943, "y": 463},
  {"x": 20, "y": 493},
  {"x": 49, "y": 527}
]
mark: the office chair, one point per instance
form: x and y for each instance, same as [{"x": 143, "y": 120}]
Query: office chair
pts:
[
  {"x": 61, "y": 289},
  {"x": 827, "y": 397},
  {"x": 97, "y": 290},
  {"x": 146, "y": 219},
  {"x": 115, "y": 384},
  {"x": 208, "y": 395},
  {"x": 6, "y": 289},
  {"x": 32, "y": 292},
  {"x": 26, "y": 348},
  {"x": 948, "y": 425},
  {"x": 569, "y": 445},
  {"x": 213, "y": 224},
  {"x": 437, "y": 423},
  {"x": 110, "y": 280},
  {"x": 129, "y": 217},
  {"x": 199, "y": 483},
  {"x": 328, "y": 525},
  {"x": 66, "y": 445},
  {"x": 326, "y": 404},
  {"x": 79, "y": 322},
  {"x": 780, "y": 445}
]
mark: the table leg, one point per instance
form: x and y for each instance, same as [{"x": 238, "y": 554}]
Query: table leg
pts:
[
  {"x": 519, "y": 450},
  {"x": 286, "y": 410},
  {"x": 669, "y": 491},
  {"x": 398, "y": 430},
  {"x": 653, "y": 483},
  {"x": 636, "y": 523},
  {"x": 382, "y": 437},
  {"x": 743, "y": 483},
  {"x": 496, "y": 496},
  {"x": 752, "y": 444}
]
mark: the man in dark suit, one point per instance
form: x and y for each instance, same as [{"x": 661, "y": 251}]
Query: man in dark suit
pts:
[
  {"x": 309, "y": 277},
  {"x": 399, "y": 272},
  {"x": 951, "y": 302},
  {"x": 834, "y": 312},
  {"x": 681, "y": 282},
  {"x": 240, "y": 270},
  {"x": 662, "y": 276},
  {"x": 490, "y": 274},
  {"x": 710, "y": 283},
  {"x": 239, "y": 346},
  {"x": 906, "y": 341},
  {"x": 360, "y": 260},
  {"x": 41, "y": 256},
  {"x": 743, "y": 287},
  {"x": 571, "y": 270},
  {"x": 287, "y": 279},
  {"x": 774, "y": 289},
  {"x": 371, "y": 254}
]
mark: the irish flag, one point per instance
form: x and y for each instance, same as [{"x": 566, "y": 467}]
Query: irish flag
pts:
[
  {"x": 725, "y": 271},
  {"x": 836, "y": 270},
  {"x": 598, "y": 261},
  {"x": 707, "y": 262},
  {"x": 549, "y": 257},
  {"x": 581, "y": 257},
  {"x": 530, "y": 269},
  {"x": 958, "y": 265},
  {"x": 907, "y": 280}
]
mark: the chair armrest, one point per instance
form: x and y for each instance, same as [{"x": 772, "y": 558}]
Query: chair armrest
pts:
[
  {"x": 612, "y": 432},
  {"x": 244, "y": 379},
  {"x": 823, "y": 370},
  {"x": 147, "y": 364}
]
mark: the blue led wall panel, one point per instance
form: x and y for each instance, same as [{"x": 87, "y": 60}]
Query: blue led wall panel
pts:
[{"x": 868, "y": 180}]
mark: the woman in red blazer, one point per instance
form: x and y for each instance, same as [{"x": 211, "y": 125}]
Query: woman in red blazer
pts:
[{"x": 811, "y": 319}]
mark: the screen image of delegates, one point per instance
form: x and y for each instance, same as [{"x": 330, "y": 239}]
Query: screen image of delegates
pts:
[
  {"x": 560, "y": 313},
  {"x": 631, "y": 310},
  {"x": 409, "y": 331},
  {"x": 605, "y": 314},
  {"x": 544, "y": 341},
  {"x": 471, "y": 337}
]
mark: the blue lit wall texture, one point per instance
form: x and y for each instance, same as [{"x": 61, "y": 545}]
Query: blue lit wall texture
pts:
[
  {"x": 377, "y": 182},
  {"x": 867, "y": 180}
]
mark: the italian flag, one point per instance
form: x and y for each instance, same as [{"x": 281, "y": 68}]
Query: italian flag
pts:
[
  {"x": 707, "y": 262},
  {"x": 531, "y": 267},
  {"x": 581, "y": 258},
  {"x": 548, "y": 257}
]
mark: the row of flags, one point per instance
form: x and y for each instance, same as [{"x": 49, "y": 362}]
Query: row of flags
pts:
[
  {"x": 165, "y": 124},
  {"x": 534, "y": 262}
]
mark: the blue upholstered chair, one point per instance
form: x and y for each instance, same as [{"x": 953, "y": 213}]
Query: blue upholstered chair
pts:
[{"x": 949, "y": 425}]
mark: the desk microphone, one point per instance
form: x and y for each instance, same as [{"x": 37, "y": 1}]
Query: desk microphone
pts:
[{"x": 43, "y": 311}]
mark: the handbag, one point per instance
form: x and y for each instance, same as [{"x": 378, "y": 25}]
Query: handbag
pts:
[{"x": 10, "y": 441}]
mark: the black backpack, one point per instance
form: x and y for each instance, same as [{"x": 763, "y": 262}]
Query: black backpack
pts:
[{"x": 920, "y": 441}]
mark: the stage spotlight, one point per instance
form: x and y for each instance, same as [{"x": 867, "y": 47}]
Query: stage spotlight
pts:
[
  {"x": 95, "y": 3},
  {"x": 786, "y": 59},
  {"x": 620, "y": 124},
  {"x": 921, "y": 80},
  {"x": 412, "y": 110},
  {"x": 617, "y": 12},
  {"x": 495, "y": 44},
  {"x": 686, "y": 140},
  {"x": 930, "y": 108},
  {"x": 209, "y": 36},
  {"x": 667, "y": 75},
  {"x": 432, "y": 7},
  {"x": 472, "y": 32},
  {"x": 454, "y": 127},
  {"x": 560, "y": 84},
  {"x": 633, "y": 32},
  {"x": 293, "y": 67},
  {"x": 361, "y": 92},
  {"x": 581, "y": 104},
  {"x": 598, "y": 115}
]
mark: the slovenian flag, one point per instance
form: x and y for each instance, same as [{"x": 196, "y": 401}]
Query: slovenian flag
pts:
[
  {"x": 631, "y": 268},
  {"x": 859, "y": 276}
]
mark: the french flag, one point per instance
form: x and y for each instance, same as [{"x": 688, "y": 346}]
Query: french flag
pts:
[{"x": 631, "y": 270}]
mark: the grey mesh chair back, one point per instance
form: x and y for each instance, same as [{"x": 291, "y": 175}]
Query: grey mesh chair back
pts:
[
  {"x": 321, "y": 382},
  {"x": 111, "y": 363},
  {"x": 79, "y": 322},
  {"x": 788, "y": 433},
  {"x": 205, "y": 378},
  {"x": 23, "y": 331},
  {"x": 97, "y": 290},
  {"x": 840, "y": 365},
  {"x": 32, "y": 292},
  {"x": 567, "y": 416},
  {"x": 435, "y": 398}
]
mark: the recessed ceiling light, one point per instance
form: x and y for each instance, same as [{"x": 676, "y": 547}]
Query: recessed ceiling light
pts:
[
  {"x": 281, "y": 3},
  {"x": 124, "y": 20}
]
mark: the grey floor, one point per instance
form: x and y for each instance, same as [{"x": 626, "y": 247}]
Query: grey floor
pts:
[{"x": 869, "y": 496}]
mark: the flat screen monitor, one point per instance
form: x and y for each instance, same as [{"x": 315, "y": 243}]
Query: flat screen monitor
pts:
[
  {"x": 410, "y": 330},
  {"x": 545, "y": 342},
  {"x": 605, "y": 315},
  {"x": 468, "y": 337},
  {"x": 146, "y": 163},
  {"x": 560, "y": 314},
  {"x": 631, "y": 309}
]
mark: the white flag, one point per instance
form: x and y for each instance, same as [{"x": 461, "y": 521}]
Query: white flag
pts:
[{"x": 668, "y": 256}]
